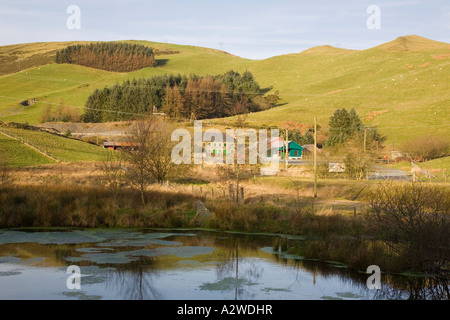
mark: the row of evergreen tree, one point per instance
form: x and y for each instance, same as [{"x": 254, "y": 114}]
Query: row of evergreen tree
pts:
[
  {"x": 186, "y": 97},
  {"x": 110, "y": 56}
]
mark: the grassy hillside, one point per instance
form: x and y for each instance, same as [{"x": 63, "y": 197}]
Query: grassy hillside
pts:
[
  {"x": 13, "y": 153},
  {"x": 442, "y": 163},
  {"x": 17, "y": 153},
  {"x": 405, "y": 93},
  {"x": 402, "y": 86},
  {"x": 71, "y": 85}
]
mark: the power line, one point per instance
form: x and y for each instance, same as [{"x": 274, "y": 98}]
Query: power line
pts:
[
  {"x": 209, "y": 91},
  {"x": 147, "y": 114}
]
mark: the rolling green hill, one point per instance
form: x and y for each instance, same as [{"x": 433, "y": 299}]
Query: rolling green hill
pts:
[
  {"x": 402, "y": 86},
  {"x": 404, "y": 92}
]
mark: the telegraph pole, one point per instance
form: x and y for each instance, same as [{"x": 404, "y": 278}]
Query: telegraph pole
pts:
[
  {"x": 365, "y": 138},
  {"x": 286, "y": 153},
  {"x": 315, "y": 157}
]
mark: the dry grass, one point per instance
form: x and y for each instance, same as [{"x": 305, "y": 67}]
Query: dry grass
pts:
[
  {"x": 82, "y": 173},
  {"x": 77, "y": 206}
]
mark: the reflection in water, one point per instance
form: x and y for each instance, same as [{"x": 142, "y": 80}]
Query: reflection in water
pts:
[
  {"x": 393, "y": 287},
  {"x": 229, "y": 267},
  {"x": 135, "y": 281},
  {"x": 136, "y": 265},
  {"x": 414, "y": 288}
]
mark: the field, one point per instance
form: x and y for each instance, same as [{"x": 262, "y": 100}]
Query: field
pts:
[
  {"x": 55, "y": 147},
  {"x": 442, "y": 163},
  {"x": 70, "y": 85},
  {"x": 15, "y": 154},
  {"x": 403, "y": 86}
]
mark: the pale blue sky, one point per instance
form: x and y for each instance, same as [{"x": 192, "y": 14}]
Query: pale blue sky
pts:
[{"x": 254, "y": 29}]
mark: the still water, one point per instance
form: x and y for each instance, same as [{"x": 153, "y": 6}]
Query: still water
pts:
[{"x": 182, "y": 265}]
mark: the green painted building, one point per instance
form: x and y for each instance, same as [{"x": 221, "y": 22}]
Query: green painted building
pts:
[{"x": 295, "y": 150}]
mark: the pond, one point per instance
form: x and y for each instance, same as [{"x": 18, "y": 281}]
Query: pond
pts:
[{"x": 182, "y": 265}]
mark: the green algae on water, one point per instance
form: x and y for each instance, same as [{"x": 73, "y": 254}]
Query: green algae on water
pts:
[{"x": 225, "y": 284}]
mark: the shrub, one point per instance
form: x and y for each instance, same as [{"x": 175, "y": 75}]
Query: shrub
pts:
[
  {"x": 413, "y": 220},
  {"x": 427, "y": 147}
]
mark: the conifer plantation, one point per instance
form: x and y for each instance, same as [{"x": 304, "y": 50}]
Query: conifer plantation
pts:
[
  {"x": 178, "y": 97},
  {"x": 109, "y": 56}
]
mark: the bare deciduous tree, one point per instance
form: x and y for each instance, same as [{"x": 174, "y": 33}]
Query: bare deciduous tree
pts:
[
  {"x": 413, "y": 220},
  {"x": 113, "y": 171},
  {"x": 234, "y": 175},
  {"x": 427, "y": 147},
  {"x": 357, "y": 164},
  {"x": 150, "y": 161}
]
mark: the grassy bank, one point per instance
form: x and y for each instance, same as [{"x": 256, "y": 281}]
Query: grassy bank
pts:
[
  {"x": 59, "y": 205},
  {"x": 81, "y": 206}
]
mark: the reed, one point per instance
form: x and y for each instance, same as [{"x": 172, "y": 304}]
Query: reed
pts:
[{"x": 81, "y": 206}]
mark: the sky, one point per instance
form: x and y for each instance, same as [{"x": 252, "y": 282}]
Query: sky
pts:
[{"x": 253, "y": 29}]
